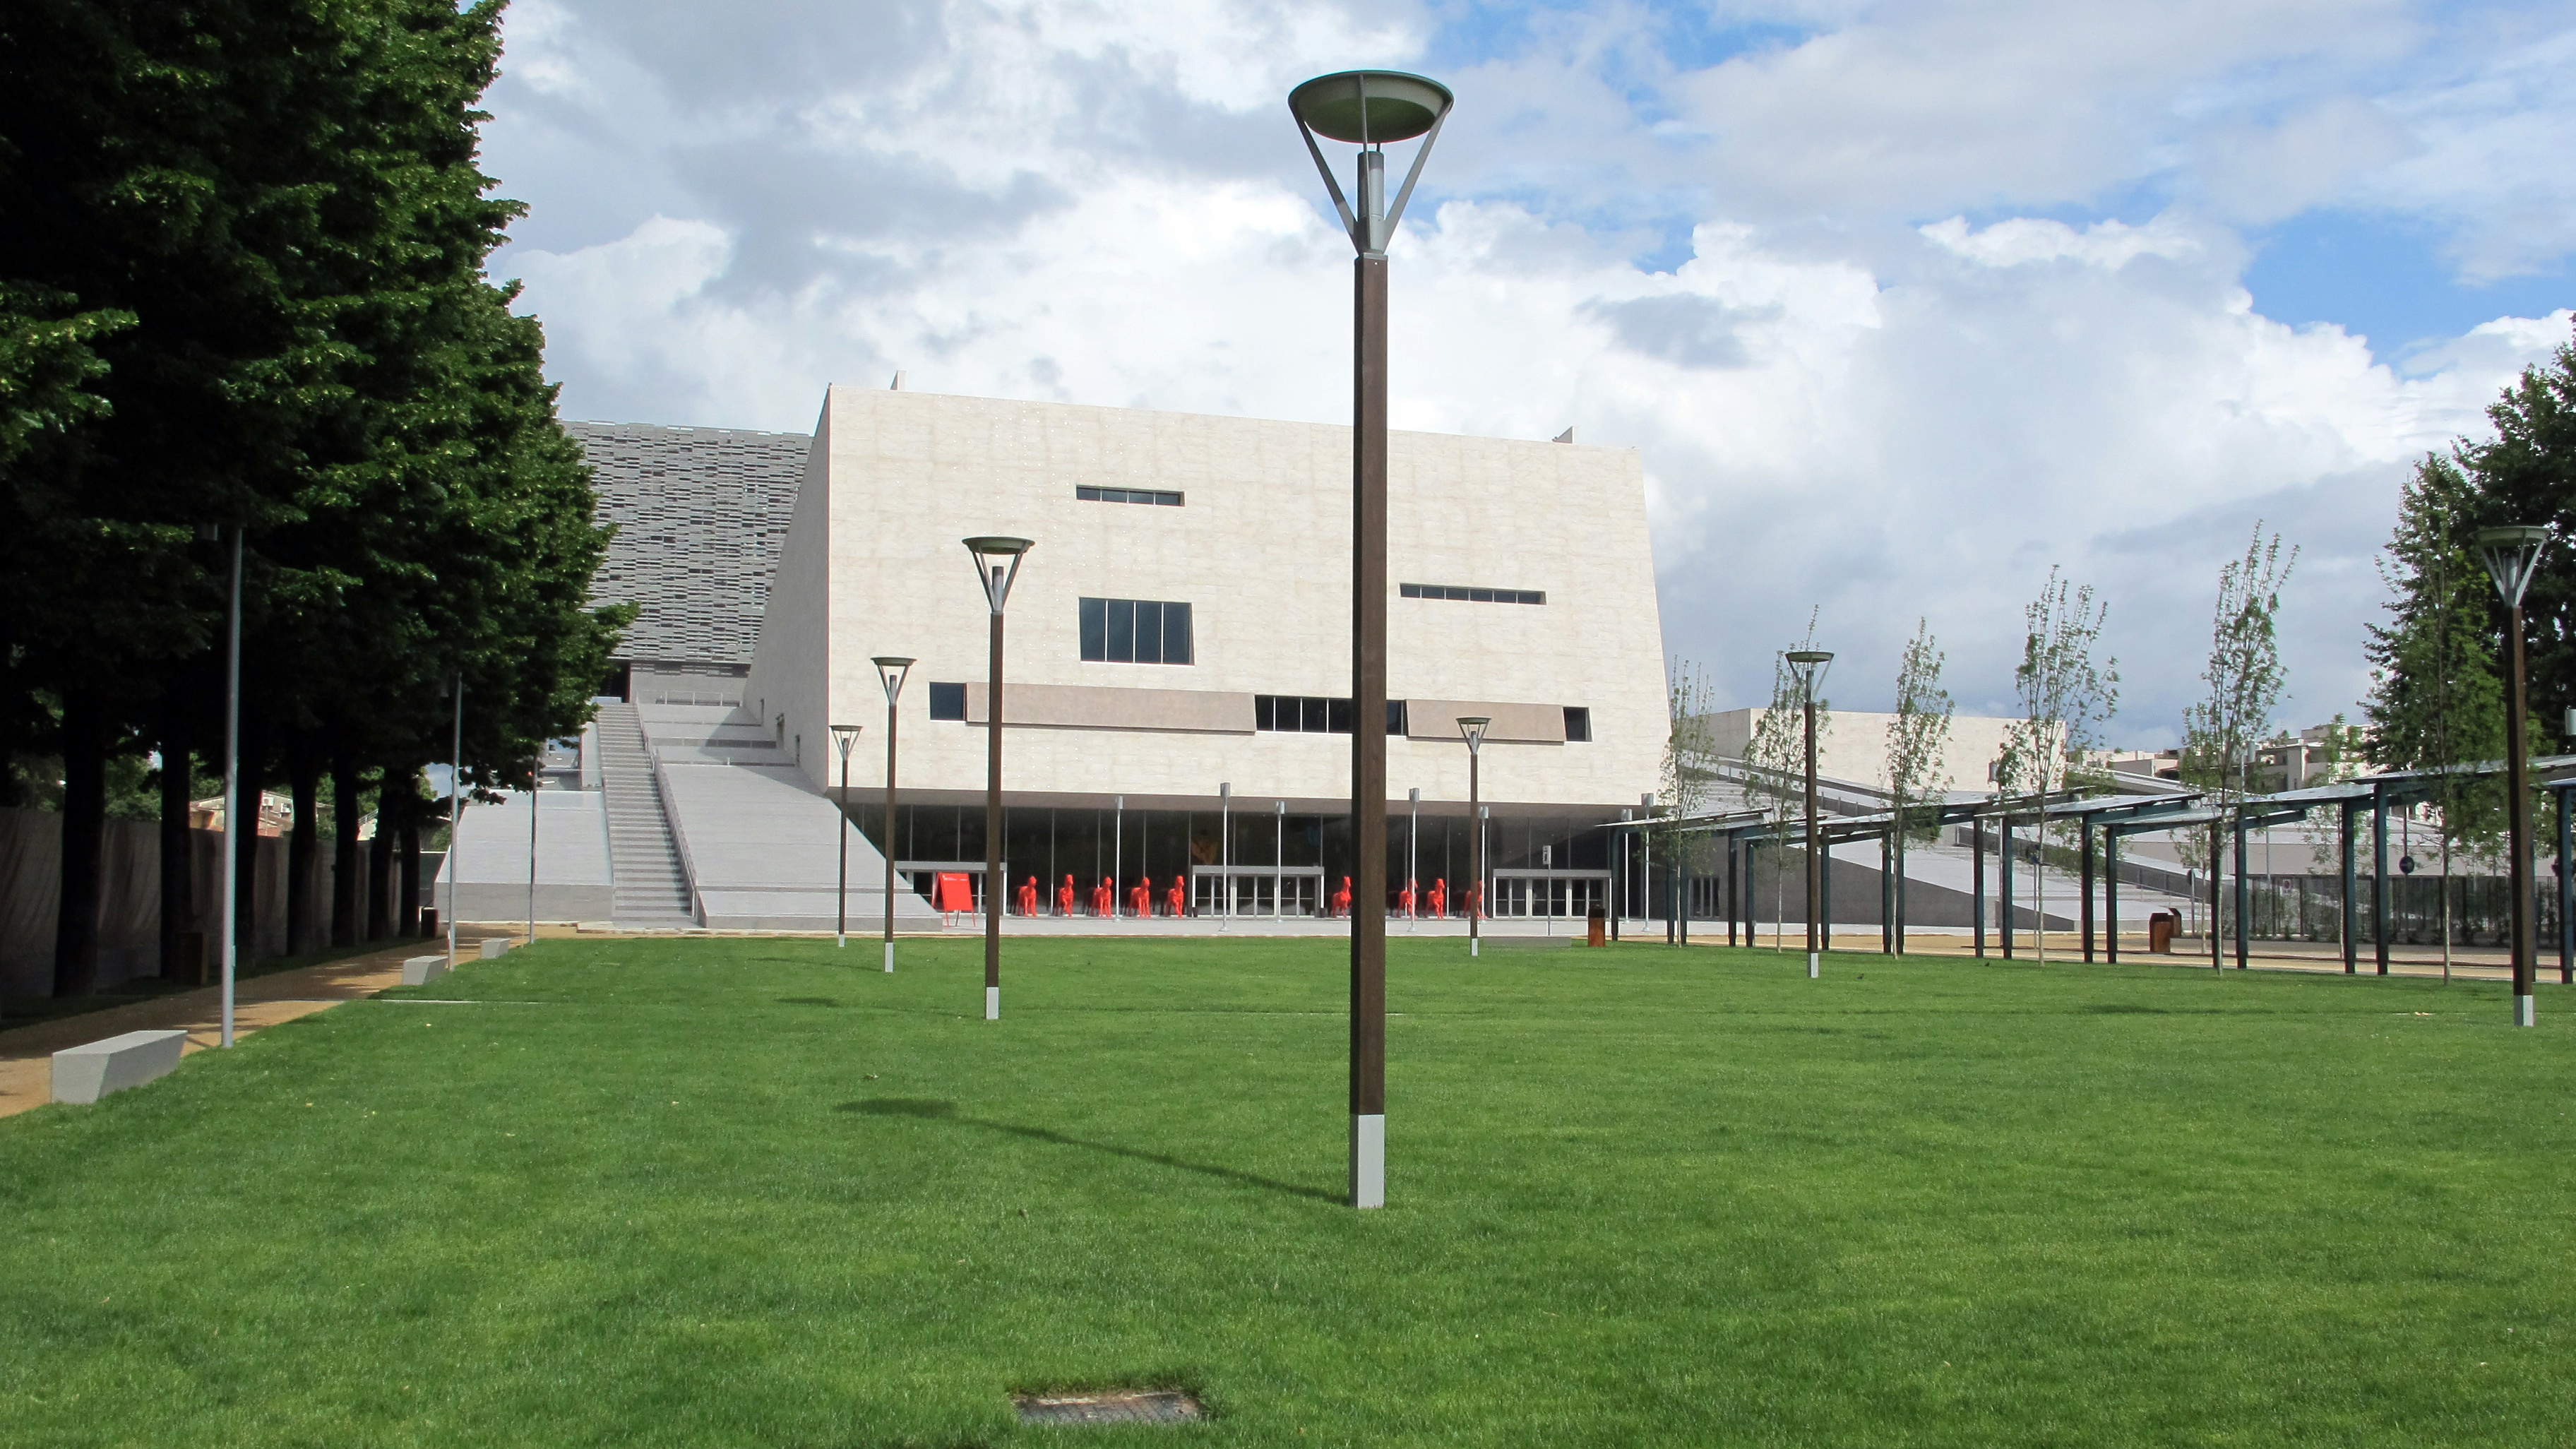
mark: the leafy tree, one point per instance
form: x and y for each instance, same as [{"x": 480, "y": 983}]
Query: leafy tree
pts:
[
  {"x": 2065, "y": 699},
  {"x": 2527, "y": 474},
  {"x": 2436, "y": 700},
  {"x": 1689, "y": 777},
  {"x": 1918, "y": 742},
  {"x": 1776, "y": 765}
]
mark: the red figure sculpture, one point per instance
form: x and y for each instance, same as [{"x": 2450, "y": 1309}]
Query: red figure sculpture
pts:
[
  {"x": 1342, "y": 898},
  {"x": 1104, "y": 899},
  {"x": 1440, "y": 898},
  {"x": 1404, "y": 898},
  {"x": 1029, "y": 896},
  {"x": 1064, "y": 897},
  {"x": 1176, "y": 901},
  {"x": 1476, "y": 902},
  {"x": 1140, "y": 896}
]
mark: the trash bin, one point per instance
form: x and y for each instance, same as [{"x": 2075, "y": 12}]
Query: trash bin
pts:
[
  {"x": 1598, "y": 932},
  {"x": 2160, "y": 932}
]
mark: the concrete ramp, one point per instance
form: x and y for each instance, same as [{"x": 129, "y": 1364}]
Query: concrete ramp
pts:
[
  {"x": 759, "y": 842},
  {"x": 571, "y": 842}
]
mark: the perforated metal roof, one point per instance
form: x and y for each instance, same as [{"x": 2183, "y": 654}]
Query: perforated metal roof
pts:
[{"x": 700, "y": 513}]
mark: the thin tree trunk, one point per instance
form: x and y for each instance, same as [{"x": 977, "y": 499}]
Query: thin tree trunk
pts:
[
  {"x": 380, "y": 861},
  {"x": 348, "y": 877},
  {"x": 244, "y": 837},
  {"x": 2446, "y": 902},
  {"x": 84, "y": 839},
  {"x": 304, "y": 847},
  {"x": 407, "y": 866},
  {"x": 178, "y": 865}
]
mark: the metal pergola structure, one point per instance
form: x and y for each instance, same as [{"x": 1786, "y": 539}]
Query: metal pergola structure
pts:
[{"x": 2118, "y": 817}]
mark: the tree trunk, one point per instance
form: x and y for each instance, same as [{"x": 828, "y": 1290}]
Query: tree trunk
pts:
[
  {"x": 348, "y": 877},
  {"x": 304, "y": 848},
  {"x": 178, "y": 865},
  {"x": 251, "y": 773},
  {"x": 83, "y": 840},
  {"x": 409, "y": 868},
  {"x": 380, "y": 859}
]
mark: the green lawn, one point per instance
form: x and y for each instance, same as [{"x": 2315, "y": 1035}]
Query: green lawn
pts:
[{"x": 759, "y": 1193}]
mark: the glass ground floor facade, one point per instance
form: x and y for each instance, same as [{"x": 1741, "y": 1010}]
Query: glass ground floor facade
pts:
[{"x": 1258, "y": 860}]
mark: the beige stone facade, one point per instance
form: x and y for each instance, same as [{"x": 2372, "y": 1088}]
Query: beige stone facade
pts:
[{"x": 1259, "y": 547}]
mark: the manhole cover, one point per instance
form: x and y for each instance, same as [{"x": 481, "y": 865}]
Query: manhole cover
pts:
[{"x": 1130, "y": 1406}]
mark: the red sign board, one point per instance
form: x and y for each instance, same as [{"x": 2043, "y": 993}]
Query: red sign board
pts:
[{"x": 954, "y": 891}]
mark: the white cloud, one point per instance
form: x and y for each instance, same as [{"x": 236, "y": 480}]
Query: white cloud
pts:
[{"x": 1841, "y": 400}]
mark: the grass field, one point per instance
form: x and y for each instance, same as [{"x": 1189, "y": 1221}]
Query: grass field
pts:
[{"x": 759, "y": 1193}]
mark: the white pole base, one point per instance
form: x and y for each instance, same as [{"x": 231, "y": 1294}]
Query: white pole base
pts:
[
  {"x": 1472, "y": 944},
  {"x": 840, "y": 940},
  {"x": 889, "y": 958},
  {"x": 1815, "y": 966},
  {"x": 1368, "y": 1161},
  {"x": 992, "y": 1003},
  {"x": 2522, "y": 1013}
]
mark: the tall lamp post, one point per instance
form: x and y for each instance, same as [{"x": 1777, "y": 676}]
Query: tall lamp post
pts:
[
  {"x": 455, "y": 812},
  {"x": 891, "y": 672},
  {"x": 1810, "y": 666},
  {"x": 229, "y": 946},
  {"x": 844, "y": 736},
  {"x": 1473, "y": 726},
  {"x": 2512, "y": 553},
  {"x": 1368, "y": 109},
  {"x": 997, "y": 567}
]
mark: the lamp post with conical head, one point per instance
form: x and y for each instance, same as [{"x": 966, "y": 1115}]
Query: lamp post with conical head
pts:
[
  {"x": 1369, "y": 109},
  {"x": 843, "y": 737},
  {"x": 1472, "y": 727},
  {"x": 2512, "y": 553},
  {"x": 891, "y": 672},
  {"x": 997, "y": 567},
  {"x": 1810, "y": 665}
]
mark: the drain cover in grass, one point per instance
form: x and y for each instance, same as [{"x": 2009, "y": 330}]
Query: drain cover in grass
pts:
[{"x": 1127, "y": 1406}]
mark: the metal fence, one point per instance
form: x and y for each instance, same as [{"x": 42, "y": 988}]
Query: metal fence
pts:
[{"x": 2310, "y": 908}]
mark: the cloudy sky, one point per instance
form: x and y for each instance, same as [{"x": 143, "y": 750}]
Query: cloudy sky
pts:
[{"x": 1903, "y": 303}]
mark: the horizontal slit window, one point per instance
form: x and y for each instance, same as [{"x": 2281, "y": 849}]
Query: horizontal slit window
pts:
[
  {"x": 1467, "y": 594},
  {"x": 1157, "y": 497},
  {"x": 1315, "y": 714}
]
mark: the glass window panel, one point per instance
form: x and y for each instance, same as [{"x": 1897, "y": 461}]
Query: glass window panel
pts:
[
  {"x": 1412, "y": 591},
  {"x": 1314, "y": 714},
  {"x": 1149, "y": 632},
  {"x": 948, "y": 701},
  {"x": 1481, "y": 596},
  {"x": 1095, "y": 629},
  {"x": 1265, "y": 711},
  {"x": 1087, "y": 493},
  {"x": 1338, "y": 715},
  {"x": 1176, "y": 635},
  {"x": 1578, "y": 723},
  {"x": 1122, "y": 631}
]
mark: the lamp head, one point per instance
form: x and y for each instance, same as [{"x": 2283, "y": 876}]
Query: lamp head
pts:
[
  {"x": 845, "y": 735},
  {"x": 1369, "y": 108},
  {"x": 891, "y": 672},
  {"x": 2512, "y": 555},
  {"x": 1810, "y": 666},
  {"x": 997, "y": 564},
  {"x": 1473, "y": 726}
]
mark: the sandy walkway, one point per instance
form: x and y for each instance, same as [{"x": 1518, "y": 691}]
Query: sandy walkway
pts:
[{"x": 26, "y": 1053}]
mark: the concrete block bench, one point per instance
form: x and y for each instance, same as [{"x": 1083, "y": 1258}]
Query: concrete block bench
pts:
[
  {"x": 493, "y": 946},
  {"x": 87, "y": 1073},
  {"x": 422, "y": 970}
]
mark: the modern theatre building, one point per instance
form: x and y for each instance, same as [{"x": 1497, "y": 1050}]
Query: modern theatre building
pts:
[
  {"x": 1177, "y": 672},
  {"x": 1179, "y": 644}
]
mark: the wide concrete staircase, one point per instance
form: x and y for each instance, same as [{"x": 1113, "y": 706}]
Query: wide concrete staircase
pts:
[{"x": 651, "y": 889}]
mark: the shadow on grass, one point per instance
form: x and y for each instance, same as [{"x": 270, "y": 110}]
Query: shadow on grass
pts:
[{"x": 939, "y": 1109}]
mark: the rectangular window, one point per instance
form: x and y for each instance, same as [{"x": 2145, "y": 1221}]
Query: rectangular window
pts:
[
  {"x": 1314, "y": 714},
  {"x": 948, "y": 701},
  {"x": 1471, "y": 595},
  {"x": 1136, "y": 631},
  {"x": 1578, "y": 723},
  {"x": 1158, "y": 497}
]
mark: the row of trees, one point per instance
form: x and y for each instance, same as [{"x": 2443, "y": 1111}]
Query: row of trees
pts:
[{"x": 242, "y": 296}]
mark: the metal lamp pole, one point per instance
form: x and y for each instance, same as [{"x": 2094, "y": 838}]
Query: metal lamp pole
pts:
[
  {"x": 2512, "y": 554},
  {"x": 1413, "y": 857},
  {"x": 1810, "y": 665},
  {"x": 1225, "y": 849},
  {"x": 843, "y": 737},
  {"x": 997, "y": 567},
  {"x": 891, "y": 672},
  {"x": 1473, "y": 727},
  {"x": 1278, "y": 858},
  {"x": 232, "y": 785},
  {"x": 1369, "y": 108}
]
